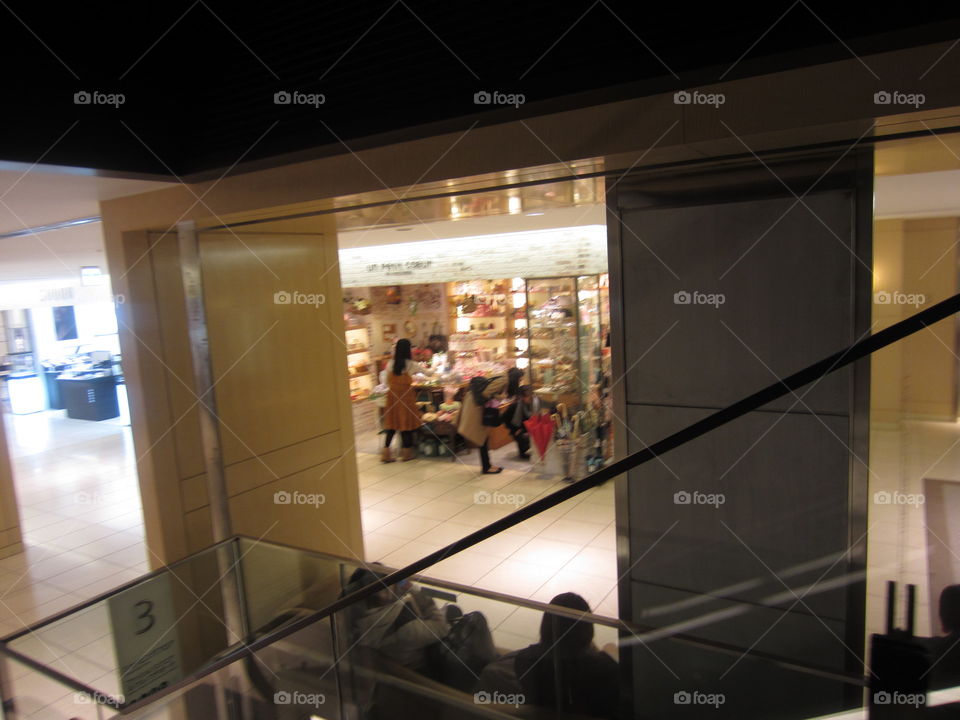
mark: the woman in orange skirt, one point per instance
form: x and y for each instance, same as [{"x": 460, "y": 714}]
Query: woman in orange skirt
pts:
[{"x": 401, "y": 412}]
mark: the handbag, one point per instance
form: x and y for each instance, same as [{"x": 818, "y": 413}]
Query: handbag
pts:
[{"x": 491, "y": 416}]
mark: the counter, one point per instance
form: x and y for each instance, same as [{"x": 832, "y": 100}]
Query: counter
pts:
[{"x": 90, "y": 398}]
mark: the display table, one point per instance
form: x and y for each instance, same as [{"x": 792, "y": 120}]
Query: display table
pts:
[{"x": 90, "y": 398}]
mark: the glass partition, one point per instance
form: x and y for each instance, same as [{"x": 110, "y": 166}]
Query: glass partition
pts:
[
  {"x": 152, "y": 634},
  {"x": 420, "y": 648}
]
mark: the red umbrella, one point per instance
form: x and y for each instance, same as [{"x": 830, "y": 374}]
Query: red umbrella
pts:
[{"x": 540, "y": 428}]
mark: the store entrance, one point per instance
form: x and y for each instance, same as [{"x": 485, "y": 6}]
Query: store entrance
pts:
[{"x": 553, "y": 331}]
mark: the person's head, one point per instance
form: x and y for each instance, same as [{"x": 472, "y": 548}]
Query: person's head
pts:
[
  {"x": 950, "y": 609},
  {"x": 566, "y": 634},
  {"x": 401, "y": 353},
  {"x": 526, "y": 393},
  {"x": 514, "y": 376}
]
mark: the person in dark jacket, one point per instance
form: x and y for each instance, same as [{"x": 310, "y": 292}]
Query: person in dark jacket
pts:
[
  {"x": 588, "y": 678},
  {"x": 525, "y": 406},
  {"x": 945, "y": 650}
]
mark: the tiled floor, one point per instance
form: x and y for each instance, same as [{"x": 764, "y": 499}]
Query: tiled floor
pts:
[
  {"x": 80, "y": 509},
  {"x": 413, "y": 508},
  {"x": 83, "y": 530}
]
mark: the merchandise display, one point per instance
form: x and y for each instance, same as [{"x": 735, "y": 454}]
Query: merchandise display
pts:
[
  {"x": 360, "y": 368},
  {"x": 554, "y": 328}
]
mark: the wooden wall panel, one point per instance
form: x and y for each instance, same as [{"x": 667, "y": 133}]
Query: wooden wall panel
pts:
[{"x": 281, "y": 393}]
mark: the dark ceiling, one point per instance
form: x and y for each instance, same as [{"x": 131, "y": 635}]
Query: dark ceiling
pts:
[{"x": 199, "y": 79}]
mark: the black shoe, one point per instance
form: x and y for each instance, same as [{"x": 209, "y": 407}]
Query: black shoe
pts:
[{"x": 523, "y": 456}]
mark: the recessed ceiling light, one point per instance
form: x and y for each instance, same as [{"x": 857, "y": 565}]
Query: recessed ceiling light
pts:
[{"x": 534, "y": 213}]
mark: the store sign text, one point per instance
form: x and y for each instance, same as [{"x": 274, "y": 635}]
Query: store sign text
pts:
[{"x": 400, "y": 268}]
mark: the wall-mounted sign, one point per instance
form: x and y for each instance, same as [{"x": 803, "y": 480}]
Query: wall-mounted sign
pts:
[{"x": 536, "y": 253}]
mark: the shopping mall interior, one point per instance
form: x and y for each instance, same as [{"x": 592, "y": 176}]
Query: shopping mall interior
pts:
[{"x": 479, "y": 284}]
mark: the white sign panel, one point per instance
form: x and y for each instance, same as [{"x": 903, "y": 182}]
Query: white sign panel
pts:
[
  {"x": 537, "y": 253},
  {"x": 145, "y": 638}
]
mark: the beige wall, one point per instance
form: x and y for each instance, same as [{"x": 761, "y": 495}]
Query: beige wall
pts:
[
  {"x": 11, "y": 539},
  {"x": 280, "y": 389},
  {"x": 916, "y": 378}
]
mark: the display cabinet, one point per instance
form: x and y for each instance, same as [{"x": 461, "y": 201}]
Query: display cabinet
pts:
[
  {"x": 589, "y": 332},
  {"x": 360, "y": 366},
  {"x": 552, "y": 330},
  {"x": 484, "y": 309}
]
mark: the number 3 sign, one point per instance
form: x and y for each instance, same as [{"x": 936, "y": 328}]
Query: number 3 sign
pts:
[{"x": 145, "y": 637}]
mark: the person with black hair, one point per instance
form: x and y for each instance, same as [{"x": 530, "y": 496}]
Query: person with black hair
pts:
[
  {"x": 401, "y": 412},
  {"x": 525, "y": 406},
  {"x": 471, "y": 426},
  {"x": 588, "y": 683}
]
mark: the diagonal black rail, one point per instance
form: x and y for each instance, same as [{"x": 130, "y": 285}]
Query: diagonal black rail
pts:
[{"x": 774, "y": 391}]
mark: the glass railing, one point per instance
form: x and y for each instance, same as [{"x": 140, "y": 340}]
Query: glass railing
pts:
[
  {"x": 250, "y": 629},
  {"x": 463, "y": 652}
]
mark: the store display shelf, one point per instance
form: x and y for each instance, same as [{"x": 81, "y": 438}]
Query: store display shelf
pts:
[
  {"x": 360, "y": 350},
  {"x": 355, "y": 327}
]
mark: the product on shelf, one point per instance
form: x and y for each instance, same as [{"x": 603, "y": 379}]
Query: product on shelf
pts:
[{"x": 463, "y": 342}]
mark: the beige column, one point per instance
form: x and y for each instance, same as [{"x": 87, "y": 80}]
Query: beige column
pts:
[{"x": 281, "y": 390}]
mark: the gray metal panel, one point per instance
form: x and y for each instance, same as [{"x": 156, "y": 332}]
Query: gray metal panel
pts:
[
  {"x": 785, "y": 274},
  {"x": 785, "y": 503},
  {"x": 796, "y": 283},
  {"x": 750, "y": 688}
]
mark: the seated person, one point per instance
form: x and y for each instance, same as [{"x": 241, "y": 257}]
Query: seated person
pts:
[
  {"x": 589, "y": 679},
  {"x": 525, "y": 406},
  {"x": 945, "y": 650},
  {"x": 400, "y": 621}
]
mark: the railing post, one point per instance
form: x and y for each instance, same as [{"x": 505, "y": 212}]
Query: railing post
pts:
[{"x": 218, "y": 498}]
